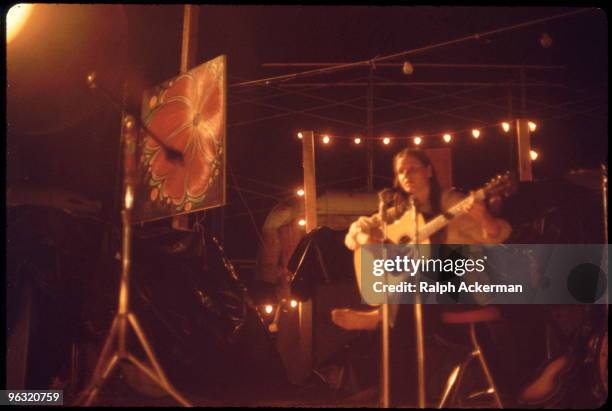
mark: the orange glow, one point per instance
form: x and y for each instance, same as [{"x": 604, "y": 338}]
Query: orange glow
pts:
[
  {"x": 386, "y": 140},
  {"x": 302, "y": 222},
  {"x": 533, "y": 154},
  {"x": 293, "y": 303},
  {"x": 476, "y": 133},
  {"x": 15, "y": 19},
  {"x": 447, "y": 138},
  {"x": 269, "y": 309},
  {"x": 532, "y": 126},
  {"x": 357, "y": 140},
  {"x": 300, "y": 135},
  {"x": 326, "y": 139},
  {"x": 506, "y": 126},
  {"x": 418, "y": 140},
  {"x": 300, "y": 192}
]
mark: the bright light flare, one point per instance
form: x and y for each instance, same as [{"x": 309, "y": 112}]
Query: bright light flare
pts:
[
  {"x": 129, "y": 197},
  {"x": 293, "y": 303},
  {"x": 505, "y": 126},
  {"x": 475, "y": 133},
  {"x": 533, "y": 154},
  {"x": 300, "y": 192},
  {"x": 532, "y": 126},
  {"x": 302, "y": 222},
  {"x": 268, "y": 309},
  {"x": 326, "y": 139},
  {"x": 447, "y": 138},
  {"x": 357, "y": 140},
  {"x": 15, "y": 19},
  {"x": 417, "y": 141},
  {"x": 386, "y": 141},
  {"x": 91, "y": 80},
  {"x": 300, "y": 135}
]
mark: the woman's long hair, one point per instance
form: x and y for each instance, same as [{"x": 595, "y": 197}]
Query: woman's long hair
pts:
[{"x": 435, "y": 192}]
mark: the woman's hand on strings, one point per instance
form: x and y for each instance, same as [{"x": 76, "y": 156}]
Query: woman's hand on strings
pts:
[{"x": 365, "y": 230}]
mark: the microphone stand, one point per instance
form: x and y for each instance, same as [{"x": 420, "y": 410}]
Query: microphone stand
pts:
[
  {"x": 385, "y": 393},
  {"x": 604, "y": 193},
  {"x": 171, "y": 153},
  {"x": 418, "y": 315},
  {"x": 125, "y": 319}
]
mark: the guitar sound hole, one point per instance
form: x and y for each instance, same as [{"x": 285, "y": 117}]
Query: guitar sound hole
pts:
[{"x": 404, "y": 240}]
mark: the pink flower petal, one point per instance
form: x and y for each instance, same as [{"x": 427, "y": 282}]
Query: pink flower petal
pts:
[
  {"x": 199, "y": 170},
  {"x": 181, "y": 87},
  {"x": 212, "y": 104},
  {"x": 174, "y": 186},
  {"x": 167, "y": 118},
  {"x": 160, "y": 166}
]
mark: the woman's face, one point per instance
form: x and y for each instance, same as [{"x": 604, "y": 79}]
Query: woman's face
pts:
[{"x": 412, "y": 176}]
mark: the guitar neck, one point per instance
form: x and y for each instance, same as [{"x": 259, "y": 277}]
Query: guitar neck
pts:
[{"x": 443, "y": 219}]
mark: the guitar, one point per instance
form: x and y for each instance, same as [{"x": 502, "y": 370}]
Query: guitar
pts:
[{"x": 402, "y": 230}]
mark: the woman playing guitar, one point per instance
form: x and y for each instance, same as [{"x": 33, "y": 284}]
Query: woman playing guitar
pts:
[
  {"x": 416, "y": 192},
  {"x": 415, "y": 176}
]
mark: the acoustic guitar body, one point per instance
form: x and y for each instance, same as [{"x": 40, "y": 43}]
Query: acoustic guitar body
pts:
[{"x": 401, "y": 231}]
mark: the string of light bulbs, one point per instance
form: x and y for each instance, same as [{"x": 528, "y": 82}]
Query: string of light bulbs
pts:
[
  {"x": 417, "y": 139},
  {"x": 447, "y": 137}
]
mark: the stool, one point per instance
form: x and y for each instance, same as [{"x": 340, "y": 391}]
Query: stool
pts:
[{"x": 471, "y": 317}]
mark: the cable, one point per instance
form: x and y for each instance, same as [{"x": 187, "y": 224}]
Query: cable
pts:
[
  {"x": 245, "y": 204},
  {"x": 306, "y": 112}
]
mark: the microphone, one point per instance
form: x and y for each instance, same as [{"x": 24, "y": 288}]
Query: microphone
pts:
[
  {"x": 172, "y": 154},
  {"x": 387, "y": 195},
  {"x": 391, "y": 198},
  {"x": 411, "y": 202},
  {"x": 385, "y": 200}
]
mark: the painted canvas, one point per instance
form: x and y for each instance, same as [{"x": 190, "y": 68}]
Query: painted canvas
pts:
[{"x": 188, "y": 114}]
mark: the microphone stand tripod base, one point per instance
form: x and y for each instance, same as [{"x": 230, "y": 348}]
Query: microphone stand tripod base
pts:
[
  {"x": 108, "y": 360},
  {"x": 124, "y": 318}
]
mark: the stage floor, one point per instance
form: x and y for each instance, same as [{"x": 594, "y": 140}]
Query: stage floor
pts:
[{"x": 116, "y": 393}]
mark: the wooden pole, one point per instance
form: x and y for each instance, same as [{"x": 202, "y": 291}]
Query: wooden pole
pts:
[
  {"x": 189, "y": 49},
  {"x": 523, "y": 142},
  {"x": 189, "y": 45},
  {"x": 310, "y": 188},
  {"x": 305, "y": 308}
]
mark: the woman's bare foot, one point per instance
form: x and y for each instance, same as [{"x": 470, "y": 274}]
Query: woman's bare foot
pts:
[{"x": 356, "y": 320}]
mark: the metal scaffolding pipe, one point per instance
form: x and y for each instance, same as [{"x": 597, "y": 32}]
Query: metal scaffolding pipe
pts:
[
  {"x": 429, "y": 65},
  {"x": 425, "y": 84}
]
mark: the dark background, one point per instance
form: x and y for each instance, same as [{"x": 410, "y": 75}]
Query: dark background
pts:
[{"x": 61, "y": 134}]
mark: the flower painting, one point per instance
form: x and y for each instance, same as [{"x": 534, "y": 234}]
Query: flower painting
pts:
[{"x": 187, "y": 115}]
